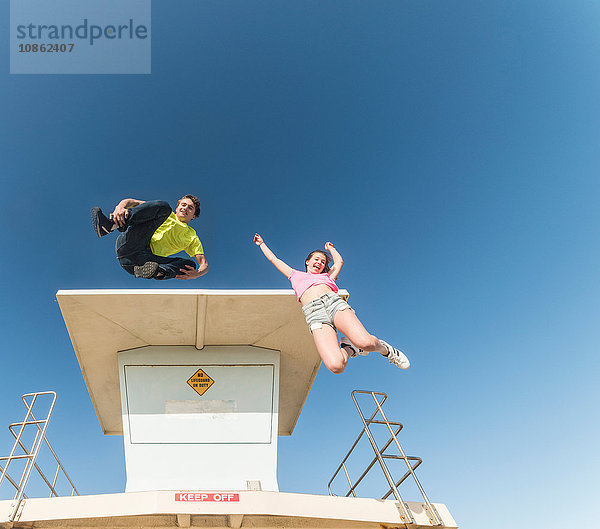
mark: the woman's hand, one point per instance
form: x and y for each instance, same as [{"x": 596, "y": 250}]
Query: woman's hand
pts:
[
  {"x": 328, "y": 246},
  {"x": 258, "y": 240}
]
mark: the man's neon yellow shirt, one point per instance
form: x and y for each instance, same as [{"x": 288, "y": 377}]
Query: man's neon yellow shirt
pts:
[{"x": 173, "y": 236}]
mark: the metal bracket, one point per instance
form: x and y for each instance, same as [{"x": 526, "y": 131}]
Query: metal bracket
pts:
[
  {"x": 252, "y": 484},
  {"x": 432, "y": 514},
  {"x": 405, "y": 514},
  {"x": 16, "y": 509}
]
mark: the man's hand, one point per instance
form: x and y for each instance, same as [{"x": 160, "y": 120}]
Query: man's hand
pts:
[
  {"x": 121, "y": 212},
  {"x": 189, "y": 272},
  {"x": 119, "y": 215}
]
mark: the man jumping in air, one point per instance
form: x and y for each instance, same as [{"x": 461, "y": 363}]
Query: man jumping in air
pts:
[{"x": 151, "y": 233}]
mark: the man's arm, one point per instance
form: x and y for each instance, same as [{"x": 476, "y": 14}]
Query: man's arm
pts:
[
  {"x": 189, "y": 273},
  {"x": 120, "y": 214}
]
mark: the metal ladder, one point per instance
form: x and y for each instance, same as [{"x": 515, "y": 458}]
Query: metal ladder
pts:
[
  {"x": 30, "y": 455},
  {"x": 380, "y": 456}
]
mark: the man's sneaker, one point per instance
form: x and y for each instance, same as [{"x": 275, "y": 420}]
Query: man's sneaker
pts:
[
  {"x": 396, "y": 357},
  {"x": 146, "y": 271},
  {"x": 101, "y": 223},
  {"x": 352, "y": 349}
]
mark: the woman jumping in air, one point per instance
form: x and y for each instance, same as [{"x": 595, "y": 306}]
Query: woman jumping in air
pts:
[{"x": 326, "y": 312}]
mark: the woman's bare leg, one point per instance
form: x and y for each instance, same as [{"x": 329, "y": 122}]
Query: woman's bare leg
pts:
[
  {"x": 334, "y": 358},
  {"x": 348, "y": 324}
]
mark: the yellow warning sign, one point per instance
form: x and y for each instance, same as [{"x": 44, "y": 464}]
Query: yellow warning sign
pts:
[{"x": 200, "y": 382}]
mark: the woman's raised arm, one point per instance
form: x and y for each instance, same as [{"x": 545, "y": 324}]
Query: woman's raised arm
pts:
[
  {"x": 337, "y": 261},
  {"x": 285, "y": 269}
]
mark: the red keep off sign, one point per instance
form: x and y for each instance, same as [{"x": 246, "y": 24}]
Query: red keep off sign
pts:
[{"x": 206, "y": 496}]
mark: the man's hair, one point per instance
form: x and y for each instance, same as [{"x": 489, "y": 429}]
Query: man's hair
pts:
[
  {"x": 194, "y": 200},
  {"x": 328, "y": 260}
]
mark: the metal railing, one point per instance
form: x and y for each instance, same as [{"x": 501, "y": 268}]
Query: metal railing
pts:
[
  {"x": 411, "y": 462},
  {"x": 30, "y": 454}
]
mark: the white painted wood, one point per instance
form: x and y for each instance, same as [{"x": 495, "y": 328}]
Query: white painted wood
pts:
[
  {"x": 163, "y": 408},
  {"x": 259, "y": 509},
  {"x": 218, "y": 440}
]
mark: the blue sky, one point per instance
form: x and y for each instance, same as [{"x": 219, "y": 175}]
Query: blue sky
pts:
[{"x": 448, "y": 149}]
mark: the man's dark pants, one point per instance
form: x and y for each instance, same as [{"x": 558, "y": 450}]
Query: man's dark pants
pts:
[{"x": 133, "y": 246}]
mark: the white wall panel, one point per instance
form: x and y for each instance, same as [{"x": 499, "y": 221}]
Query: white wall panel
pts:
[
  {"x": 177, "y": 439},
  {"x": 236, "y": 408}
]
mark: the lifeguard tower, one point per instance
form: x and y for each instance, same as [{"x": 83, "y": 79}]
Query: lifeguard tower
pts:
[{"x": 200, "y": 384}]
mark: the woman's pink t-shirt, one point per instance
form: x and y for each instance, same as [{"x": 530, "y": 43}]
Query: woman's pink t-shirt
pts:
[{"x": 302, "y": 281}]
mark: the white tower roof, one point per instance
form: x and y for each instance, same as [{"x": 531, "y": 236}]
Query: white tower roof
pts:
[{"x": 103, "y": 322}]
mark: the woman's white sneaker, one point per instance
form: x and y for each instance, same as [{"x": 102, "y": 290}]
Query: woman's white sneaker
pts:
[{"x": 396, "y": 357}]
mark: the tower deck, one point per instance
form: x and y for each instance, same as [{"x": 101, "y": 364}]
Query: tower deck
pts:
[{"x": 252, "y": 509}]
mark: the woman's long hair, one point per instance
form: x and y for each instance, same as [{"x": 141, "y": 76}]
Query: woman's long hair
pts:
[{"x": 328, "y": 260}]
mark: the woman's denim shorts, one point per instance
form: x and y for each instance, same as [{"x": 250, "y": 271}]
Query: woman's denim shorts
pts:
[{"x": 322, "y": 310}]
